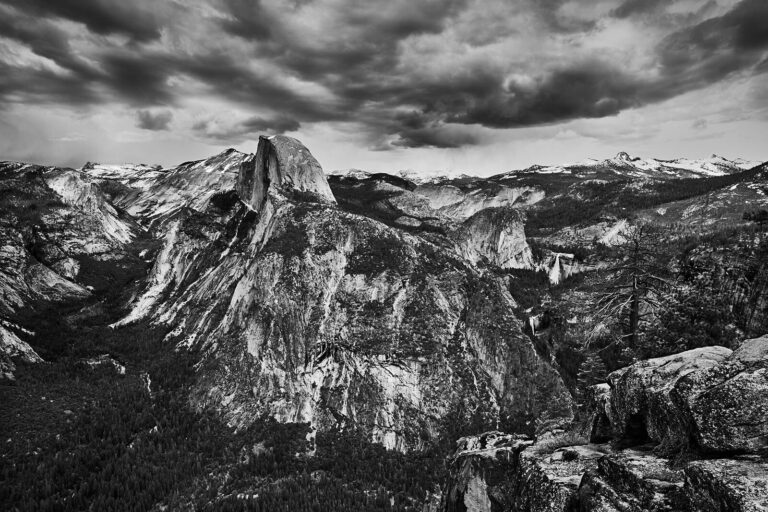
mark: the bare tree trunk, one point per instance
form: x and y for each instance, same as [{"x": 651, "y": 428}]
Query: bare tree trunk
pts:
[{"x": 634, "y": 314}]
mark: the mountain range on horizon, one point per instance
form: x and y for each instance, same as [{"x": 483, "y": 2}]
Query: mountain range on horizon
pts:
[{"x": 714, "y": 165}]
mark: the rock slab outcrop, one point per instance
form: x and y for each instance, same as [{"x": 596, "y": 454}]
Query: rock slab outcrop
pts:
[{"x": 712, "y": 399}]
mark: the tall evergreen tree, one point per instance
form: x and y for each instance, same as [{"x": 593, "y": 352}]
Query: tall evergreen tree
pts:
[{"x": 641, "y": 281}]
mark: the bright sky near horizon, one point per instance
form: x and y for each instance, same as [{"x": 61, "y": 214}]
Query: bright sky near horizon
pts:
[{"x": 477, "y": 86}]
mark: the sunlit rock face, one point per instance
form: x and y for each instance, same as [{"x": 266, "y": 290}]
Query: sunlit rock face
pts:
[
  {"x": 282, "y": 164},
  {"x": 157, "y": 200},
  {"x": 308, "y": 313},
  {"x": 495, "y": 236}
]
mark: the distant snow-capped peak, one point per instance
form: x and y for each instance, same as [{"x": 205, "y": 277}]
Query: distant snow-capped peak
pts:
[
  {"x": 627, "y": 165},
  {"x": 408, "y": 174},
  {"x": 349, "y": 173}
]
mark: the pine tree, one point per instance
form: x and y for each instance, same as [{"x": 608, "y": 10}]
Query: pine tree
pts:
[
  {"x": 591, "y": 371},
  {"x": 640, "y": 285}
]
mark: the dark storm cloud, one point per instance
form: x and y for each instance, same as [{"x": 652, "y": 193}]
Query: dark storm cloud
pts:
[
  {"x": 138, "y": 79},
  {"x": 277, "y": 124},
  {"x": 638, "y": 7},
  {"x": 146, "y": 120},
  {"x": 248, "y": 20},
  {"x": 352, "y": 64},
  {"x": 237, "y": 82},
  {"x": 212, "y": 129},
  {"x": 689, "y": 59},
  {"x": 137, "y": 19},
  {"x": 585, "y": 89},
  {"x": 113, "y": 73},
  {"x": 41, "y": 86},
  {"x": 365, "y": 34},
  {"x": 434, "y": 136},
  {"x": 43, "y": 39},
  {"x": 550, "y": 14},
  {"x": 716, "y": 48}
]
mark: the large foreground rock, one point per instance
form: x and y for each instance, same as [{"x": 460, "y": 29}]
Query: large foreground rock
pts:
[
  {"x": 728, "y": 403},
  {"x": 709, "y": 398},
  {"x": 641, "y": 404},
  {"x": 501, "y": 472},
  {"x": 496, "y": 472}
]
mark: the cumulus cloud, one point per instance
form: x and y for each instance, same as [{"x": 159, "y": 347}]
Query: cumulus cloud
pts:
[
  {"x": 146, "y": 120},
  {"x": 406, "y": 73},
  {"x": 638, "y": 7}
]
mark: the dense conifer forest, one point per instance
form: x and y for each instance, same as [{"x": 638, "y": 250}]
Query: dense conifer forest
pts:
[{"x": 82, "y": 437}]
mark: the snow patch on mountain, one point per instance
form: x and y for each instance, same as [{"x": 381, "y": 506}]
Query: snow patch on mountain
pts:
[
  {"x": 189, "y": 185},
  {"x": 137, "y": 176},
  {"x": 645, "y": 168},
  {"x": 357, "y": 174}
]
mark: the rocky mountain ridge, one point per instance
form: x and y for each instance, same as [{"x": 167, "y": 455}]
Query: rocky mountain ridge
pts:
[{"x": 622, "y": 164}]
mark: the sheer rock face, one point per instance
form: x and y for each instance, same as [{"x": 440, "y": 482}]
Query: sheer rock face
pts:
[
  {"x": 496, "y": 236},
  {"x": 712, "y": 397},
  {"x": 311, "y": 314},
  {"x": 482, "y": 472},
  {"x": 282, "y": 164}
]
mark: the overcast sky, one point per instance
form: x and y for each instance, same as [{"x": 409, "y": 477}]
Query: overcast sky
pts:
[{"x": 476, "y": 86}]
